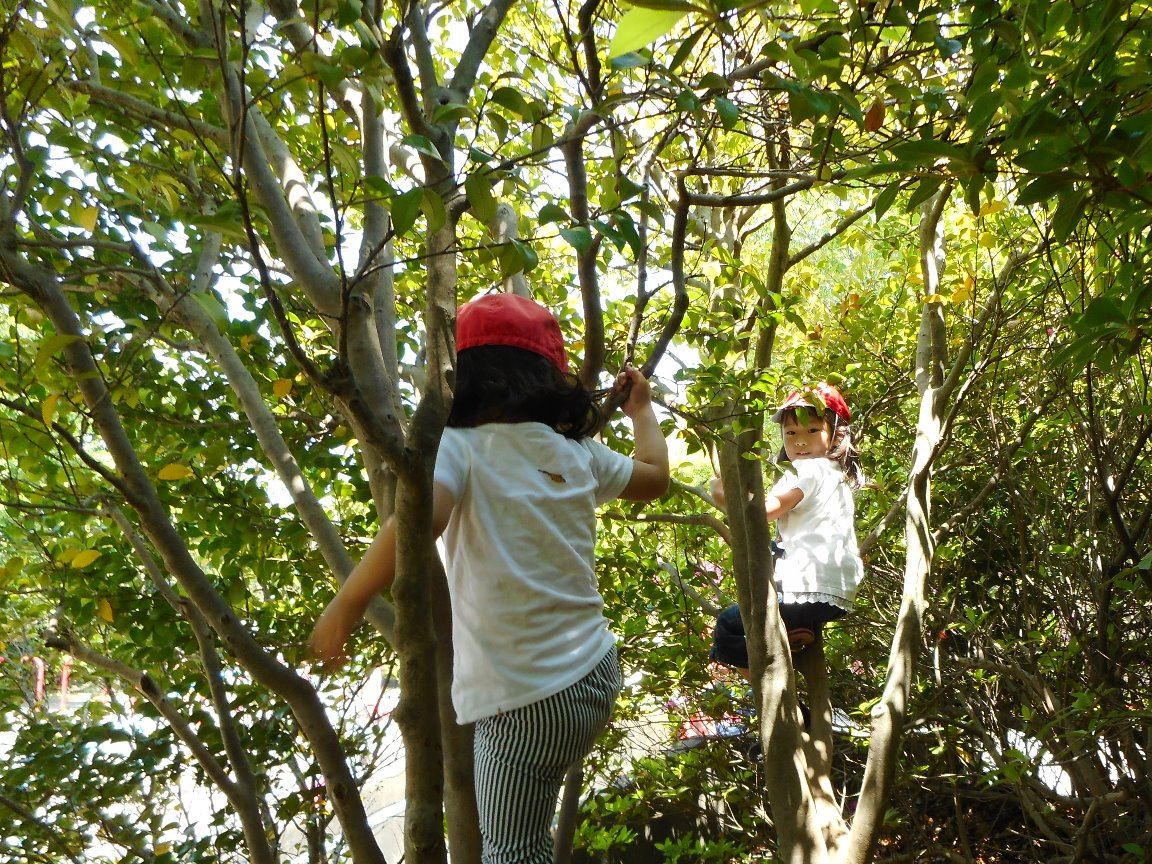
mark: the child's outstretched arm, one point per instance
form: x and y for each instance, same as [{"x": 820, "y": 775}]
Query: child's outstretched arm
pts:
[
  {"x": 370, "y": 577},
  {"x": 775, "y": 506},
  {"x": 650, "y": 475}
]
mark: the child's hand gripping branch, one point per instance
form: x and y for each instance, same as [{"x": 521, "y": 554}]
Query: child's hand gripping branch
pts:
[
  {"x": 775, "y": 506},
  {"x": 650, "y": 474}
]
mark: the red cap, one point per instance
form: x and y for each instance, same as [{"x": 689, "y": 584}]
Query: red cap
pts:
[
  {"x": 811, "y": 397},
  {"x": 514, "y": 321}
]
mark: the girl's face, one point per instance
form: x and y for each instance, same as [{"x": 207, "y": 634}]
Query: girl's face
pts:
[{"x": 806, "y": 436}]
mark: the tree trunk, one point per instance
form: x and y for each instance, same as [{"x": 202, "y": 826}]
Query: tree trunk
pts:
[{"x": 889, "y": 714}]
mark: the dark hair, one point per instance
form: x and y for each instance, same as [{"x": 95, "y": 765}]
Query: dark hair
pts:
[
  {"x": 841, "y": 448},
  {"x": 502, "y": 384}
]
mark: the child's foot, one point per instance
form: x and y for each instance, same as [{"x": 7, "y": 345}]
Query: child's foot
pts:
[{"x": 800, "y": 638}]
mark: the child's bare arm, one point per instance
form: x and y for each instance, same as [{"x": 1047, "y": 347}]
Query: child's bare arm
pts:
[
  {"x": 372, "y": 575},
  {"x": 775, "y": 506},
  {"x": 650, "y": 474}
]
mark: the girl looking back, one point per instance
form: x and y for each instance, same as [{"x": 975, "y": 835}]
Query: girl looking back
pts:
[{"x": 819, "y": 570}]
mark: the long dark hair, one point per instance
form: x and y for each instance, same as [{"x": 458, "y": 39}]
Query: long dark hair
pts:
[
  {"x": 502, "y": 384},
  {"x": 841, "y": 449}
]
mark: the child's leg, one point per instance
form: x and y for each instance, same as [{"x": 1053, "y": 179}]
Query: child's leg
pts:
[
  {"x": 521, "y": 758},
  {"x": 811, "y": 616},
  {"x": 729, "y": 642}
]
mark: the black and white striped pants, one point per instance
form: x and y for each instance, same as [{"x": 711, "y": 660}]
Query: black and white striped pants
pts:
[{"x": 521, "y": 759}]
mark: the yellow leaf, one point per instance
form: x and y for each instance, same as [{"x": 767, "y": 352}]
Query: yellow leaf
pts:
[
  {"x": 991, "y": 207},
  {"x": 247, "y": 341},
  {"x": 963, "y": 292},
  {"x": 174, "y": 471},
  {"x": 104, "y": 609},
  {"x": 282, "y": 387},
  {"x": 640, "y": 27},
  {"x": 935, "y": 298},
  {"x": 987, "y": 240},
  {"x": 85, "y": 557},
  {"x": 48, "y": 409},
  {"x": 86, "y": 218}
]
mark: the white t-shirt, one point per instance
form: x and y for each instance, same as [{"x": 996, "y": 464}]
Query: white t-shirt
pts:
[
  {"x": 821, "y": 561},
  {"x": 527, "y": 617}
]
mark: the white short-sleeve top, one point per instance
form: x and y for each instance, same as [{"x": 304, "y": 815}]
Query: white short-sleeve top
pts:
[
  {"x": 821, "y": 561},
  {"x": 520, "y": 557}
]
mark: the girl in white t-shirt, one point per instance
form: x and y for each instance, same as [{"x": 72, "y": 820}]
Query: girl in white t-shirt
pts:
[
  {"x": 518, "y": 478},
  {"x": 818, "y": 569}
]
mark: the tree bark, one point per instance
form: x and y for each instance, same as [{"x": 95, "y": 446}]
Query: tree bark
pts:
[{"x": 889, "y": 714}]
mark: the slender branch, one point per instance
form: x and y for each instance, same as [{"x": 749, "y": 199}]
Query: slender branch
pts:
[
  {"x": 144, "y": 111},
  {"x": 830, "y": 235},
  {"x": 718, "y": 200},
  {"x": 705, "y": 605},
  {"x": 146, "y": 686},
  {"x": 594, "y": 349},
  {"x": 404, "y": 85},
  {"x": 49, "y": 830},
  {"x": 479, "y": 41}
]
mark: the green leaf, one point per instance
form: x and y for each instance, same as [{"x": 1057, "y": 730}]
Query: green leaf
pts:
[
  {"x": 405, "y": 209},
  {"x": 1042, "y": 188},
  {"x": 525, "y": 256},
  {"x": 924, "y": 190},
  {"x": 885, "y": 199},
  {"x": 629, "y": 188},
  {"x": 627, "y": 229},
  {"x": 514, "y": 101},
  {"x": 714, "y": 81},
  {"x": 664, "y": 5},
  {"x": 631, "y": 60},
  {"x": 927, "y": 151},
  {"x": 948, "y": 47},
  {"x": 684, "y": 51},
  {"x": 552, "y": 213},
  {"x": 641, "y": 27},
  {"x": 1101, "y": 312},
  {"x": 435, "y": 211},
  {"x": 349, "y": 11},
  {"x": 451, "y": 113},
  {"x": 478, "y": 190},
  {"x": 213, "y": 307},
  {"x": 1042, "y": 160},
  {"x": 579, "y": 237},
  {"x": 51, "y": 346},
  {"x": 1068, "y": 213},
  {"x": 379, "y": 184},
  {"x": 421, "y": 144},
  {"x": 729, "y": 113}
]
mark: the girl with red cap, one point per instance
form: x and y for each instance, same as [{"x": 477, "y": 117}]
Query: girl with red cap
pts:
[
  {"x": 517, "y": 481},
  {"x": 819, "y": 569}
]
